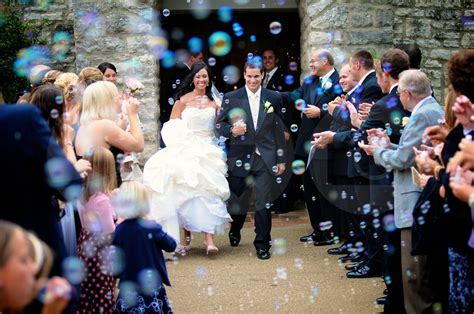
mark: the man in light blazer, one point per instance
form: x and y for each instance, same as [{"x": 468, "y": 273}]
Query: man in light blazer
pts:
[{"x": 415, "y": 94}]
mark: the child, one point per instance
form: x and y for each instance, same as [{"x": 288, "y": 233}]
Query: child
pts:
[
  {"x": 97, "y": 219},
  {"x": 141, "y": 243}
]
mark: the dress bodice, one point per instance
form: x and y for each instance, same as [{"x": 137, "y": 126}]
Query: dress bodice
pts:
[{"x": 199, "y": 120}]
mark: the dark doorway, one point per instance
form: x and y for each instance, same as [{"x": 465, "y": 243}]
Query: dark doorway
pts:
[{"x": 256, "y": 37}]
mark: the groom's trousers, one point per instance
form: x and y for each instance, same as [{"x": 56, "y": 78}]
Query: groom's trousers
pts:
[{"x": 262, "y": 180}]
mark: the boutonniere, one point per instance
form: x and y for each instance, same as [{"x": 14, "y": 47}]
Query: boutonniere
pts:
[
  {"x": 405, "y": 121},
  {"x": 268, "y": 106},
  {"x": 327, "y": 85}
]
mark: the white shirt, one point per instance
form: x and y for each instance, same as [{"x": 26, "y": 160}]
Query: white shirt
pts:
[
  {"x": 392, "y": 87},
  {"x": 419, "y": 103},
  {"x": 364, "y": 77},
  {"x": 326, "y": 77},
  {"x": 268, "y": 77},
  {"x": 254, "y": 101}
]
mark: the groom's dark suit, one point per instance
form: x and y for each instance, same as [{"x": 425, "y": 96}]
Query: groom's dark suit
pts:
[{"x": 246, "y": 165}]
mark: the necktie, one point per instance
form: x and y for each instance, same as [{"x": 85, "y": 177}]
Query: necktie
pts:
[
  {"x": 254, "y": 108},
  {"x": 265, "y": 81}
]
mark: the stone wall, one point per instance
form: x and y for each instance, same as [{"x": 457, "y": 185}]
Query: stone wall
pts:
[
  {"x": 439, "y": 28},
  {"x": 116, "y": 31}
]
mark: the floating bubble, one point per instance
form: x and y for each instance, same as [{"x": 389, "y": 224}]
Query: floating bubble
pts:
[
  {"x": 366, "y": 209},
  {"x": 298, "y": 263},
  {"x": 362, "y": 225},
  {"x": 195, "y": 45},
  {"x": 201, "y": 9},
  {"x": 61, "y": 45},
  {"x": 157, "y": 43},
  {"x": 249, "y": 56},
  {"x": 293, "y": 66},
  {"x": 279, "y": 247},
  {"x": 280, "y": 153},
  {"x": 268, "y": 205},
  {"x": 57, "y": 172},
  {"x": 232, "y": 73},
  {"x": 421, "y": 220},
  {"x": 171, "y": 101},
  {"x": 298, "y": 167},
  {"x": 376, "y": 223},
  {"x": 325, "y": 225},
  {"x": 148, "y": 280},
  {"x": 275, "y": 27},
  {"x": 220, "y": 43},
  {"x": 279, "y": 180},
  {"x": 177, "y": 34},
  {"x": 337, "y": 88},
  {"x": 283, "y": 110},
  {"x": 168, "y": 59},
  {"x": 387, "y": 67},
  {"x": 294, "y": 128},
  {"x": 395, "y": 117},
  {"x": 201, "y": 272},
  {"x": 210, "y": 290},
  {"x": 247, "y": 166},
  {"x": 128, "y": 293},
  {"x": 236, "y": 114},
  {"x": 357, "y": 156},
  {"x": 300, "y": 104},
  {"x": 211, "y": 61},
  {"x": 307, "y": 146},
  {"x": 359, "y": 247},
  {"x": 73, "y": 270},
  {"x": 224, "y": 14},
  {"x": 253, "y": 38},
  {"x": 289, "y": 79},
  {"x": 54, "y": 114},
  {"x": 308, "y": 79},
  {"x": 343, "y": 195},
  {"x": 446, "y": 208},
  {"x": 282, "y": 273},
  {"x": 392, "y": 102},
  {"x": 238, "y": 29},
  {"x": 349, "y": 154},
  {"x": 166, "y": 12},
  {"x": 238, "y": 163}
]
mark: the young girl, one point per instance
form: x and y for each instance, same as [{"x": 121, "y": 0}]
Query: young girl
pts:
[
  {"x": 97, "y": 218},
  {"x": 141, "y": 241}
]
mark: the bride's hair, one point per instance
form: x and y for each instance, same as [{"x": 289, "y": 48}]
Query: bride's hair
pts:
[{"x": 187, "y": 85}]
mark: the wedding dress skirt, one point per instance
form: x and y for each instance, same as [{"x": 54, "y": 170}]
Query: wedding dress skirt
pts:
[{"x": 187, "y": 178}]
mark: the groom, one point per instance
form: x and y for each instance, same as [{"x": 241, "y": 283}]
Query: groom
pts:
[{"x": 256, "y": 154}]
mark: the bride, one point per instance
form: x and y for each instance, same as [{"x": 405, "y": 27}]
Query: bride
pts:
[{"x": 187, "y": 178}]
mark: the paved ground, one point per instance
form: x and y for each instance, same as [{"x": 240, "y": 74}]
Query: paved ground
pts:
[{"x": 299, "y": 278}]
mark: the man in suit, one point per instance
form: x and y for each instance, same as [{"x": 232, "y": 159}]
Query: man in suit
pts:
[
  {"x": 35, "y": 170},
  {"x": 367, "y": 91},
  {"x": 275, "y": 80},
  {"x": 415, "y": 95},
  {"x": 256, "y": 154},
  {"x": 317, "y": 91}
]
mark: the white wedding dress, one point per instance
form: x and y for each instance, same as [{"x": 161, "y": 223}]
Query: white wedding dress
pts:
[{"x": 187, "y": 178}]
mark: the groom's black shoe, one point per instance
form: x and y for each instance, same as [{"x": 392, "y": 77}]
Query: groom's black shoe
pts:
[
  {"x": 234, "y": 239},
  {"x": 324, "y": 239},
  {"x": 342, "y": 250},
  {"x": 263, "y": 254},
  {"x": 310, "y": 237}
]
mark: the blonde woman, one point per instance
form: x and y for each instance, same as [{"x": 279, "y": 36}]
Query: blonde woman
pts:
[
  {"x": 68, "y": 83},
  {"x": 100, "y": 106}
]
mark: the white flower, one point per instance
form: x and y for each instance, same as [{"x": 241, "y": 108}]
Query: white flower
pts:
[
  {"x": 270, "y": 110},
  {"x": 268, "y": 106},
  {"x": 327, "y": 85},
  {"x": 405, "y": 121}
]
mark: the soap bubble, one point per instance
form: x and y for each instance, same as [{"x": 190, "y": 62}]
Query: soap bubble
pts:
[
  {"x": 166, "y": 12},
  {"x": 232, "y": 73},
  {"x": 195, "y": 45},
  {"x": 224, "y": 14},
  {"x": 275, "y": 27},
  {"x": 220, "y": 43},
  {"x": 300, "y": 104}
]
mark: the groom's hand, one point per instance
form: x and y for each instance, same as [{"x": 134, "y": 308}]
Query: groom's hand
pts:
[
  {"x": 280, "y": 169},
  {"x": 239, "y": 128}
]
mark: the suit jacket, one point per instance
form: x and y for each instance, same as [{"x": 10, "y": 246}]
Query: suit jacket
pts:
[
  {"x": 313, "y": 94},
  {"x": 35, "y": 171},
  {"x": 389, "y": 110},
  {"x": 369, "y": 91},
  {"x": 400, "y": 158},
  {"x": 289, "y": 114},
  {"x": 269, "y": 136},
  {"x": 142, "y": 242}
]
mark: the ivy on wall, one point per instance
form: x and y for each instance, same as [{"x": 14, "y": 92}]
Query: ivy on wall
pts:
[{"x": 15, "y": 34}]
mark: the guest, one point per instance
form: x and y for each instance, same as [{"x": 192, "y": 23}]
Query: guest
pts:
[
  {"x": 97, "y": 218},
  {"x": 109, "y": 71},
  {"x": 316, "y": 91},
  {"x": 68, "y": 82},
  {"x": 141, "y": 241},
  {"x": 100, "y": 106},
  {"x": 415, "y": 95},
  {"x": 50, "y": 77},
  {"x": 38, "y": 169},
  {"x": 24, "y": 263},
  {"x": 89, "y": 75}
]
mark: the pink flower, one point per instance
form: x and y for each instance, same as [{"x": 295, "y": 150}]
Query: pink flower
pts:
[{"x": 134, "y": 85}]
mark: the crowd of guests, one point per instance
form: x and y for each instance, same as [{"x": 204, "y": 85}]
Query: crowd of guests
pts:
[{"x": 388, "y": 177}]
